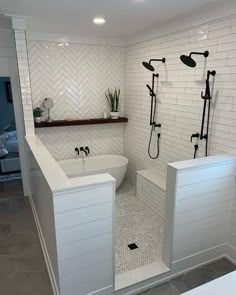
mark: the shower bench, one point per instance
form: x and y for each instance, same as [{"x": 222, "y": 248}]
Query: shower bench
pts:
[{"x": 151, "y": 190}]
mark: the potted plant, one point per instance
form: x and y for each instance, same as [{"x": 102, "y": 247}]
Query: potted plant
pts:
[
  {"x": 37, "y": 115},
  {"x": 113, "y": 99}
]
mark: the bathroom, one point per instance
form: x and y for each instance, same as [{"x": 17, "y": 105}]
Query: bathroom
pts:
[{"x": 126, "y": 193}]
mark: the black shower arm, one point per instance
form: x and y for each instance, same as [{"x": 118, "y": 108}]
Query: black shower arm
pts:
[
  {"x": 159, "y": 59},
  {"x": 196, "y": 53},
  {"x": 205, "y": 53}
]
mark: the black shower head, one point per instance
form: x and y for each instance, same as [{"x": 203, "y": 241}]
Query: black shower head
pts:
[
  {"x": 189, "y": 61},
  {"x": 148, "y": 65}
]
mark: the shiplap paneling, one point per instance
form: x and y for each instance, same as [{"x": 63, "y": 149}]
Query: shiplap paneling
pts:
[
  {"x": 203, "y": 206},
  {"x": 82, "y": 247},
  {"x": 85, "y": 239}
]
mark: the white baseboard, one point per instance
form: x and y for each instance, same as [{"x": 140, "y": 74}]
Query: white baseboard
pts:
[
  {"x": 103, "y": 291},
  {"x": 44, "y": 249}
]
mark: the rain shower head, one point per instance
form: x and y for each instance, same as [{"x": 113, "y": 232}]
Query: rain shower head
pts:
[
  {"x": 148, "y": 65},
  {"x": 189, "y": 61}
]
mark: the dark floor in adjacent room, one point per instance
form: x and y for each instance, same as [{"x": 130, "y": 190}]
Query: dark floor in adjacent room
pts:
[
  {"x": 192, "y": 279},
  {"x": 22, "y": 267}
]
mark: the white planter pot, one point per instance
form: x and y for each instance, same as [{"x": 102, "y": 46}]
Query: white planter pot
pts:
[
  {"x": 115, "y": 115},
  {"x": 37, "y": 119}
]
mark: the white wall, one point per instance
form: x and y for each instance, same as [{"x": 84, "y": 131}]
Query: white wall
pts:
[
  {"x": 204, "y": 197},
  {"x": 76, "y": 76},
  {"x": 84, "y": 236},
  {"x": 179, "y": 89},
  {"x": 41, "y": 197},
  {"x": 75, "y": 219}
]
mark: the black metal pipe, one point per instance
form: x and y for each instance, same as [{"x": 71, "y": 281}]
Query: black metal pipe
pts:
[
  {"x": 203, "y": 119},
  {"x": 205, "y": 53},
  {"x": 207, "y": 98},
  {"x": 195, "y": 151},
  {"x": 157, "y": 59}
]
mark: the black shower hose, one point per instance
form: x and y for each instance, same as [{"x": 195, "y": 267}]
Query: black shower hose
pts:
[{"x": 158, "y": 144}]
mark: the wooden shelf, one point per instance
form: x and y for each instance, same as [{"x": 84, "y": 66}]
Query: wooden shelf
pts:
[{"x": 80, "y": 122}]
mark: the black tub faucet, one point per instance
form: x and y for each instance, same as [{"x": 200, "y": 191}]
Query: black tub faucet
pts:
[
  {"x": 77, "y": 150},
  {"x": 85, "y": 150}
]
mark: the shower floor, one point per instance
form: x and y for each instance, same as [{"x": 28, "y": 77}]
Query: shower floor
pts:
[{"x": 136, "y": 224}]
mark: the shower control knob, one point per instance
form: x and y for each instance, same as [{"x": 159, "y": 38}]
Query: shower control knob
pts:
[{"x": 197, "y": 135}]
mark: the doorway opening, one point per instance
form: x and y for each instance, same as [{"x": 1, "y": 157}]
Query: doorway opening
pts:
[{"x": 9, "y": 151}]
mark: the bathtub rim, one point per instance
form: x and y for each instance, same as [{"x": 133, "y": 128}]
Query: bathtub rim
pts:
[{"x": 126, "y": 161}]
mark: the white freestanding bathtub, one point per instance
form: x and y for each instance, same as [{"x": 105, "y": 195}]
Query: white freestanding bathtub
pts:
[{"x": 112, "y": 164}]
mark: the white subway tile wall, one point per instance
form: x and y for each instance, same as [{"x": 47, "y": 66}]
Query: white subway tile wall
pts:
[
  {"x": 76, "y": 77},
  {"x": 22, "y": 60},
  {"x": 179, "y": 95}
]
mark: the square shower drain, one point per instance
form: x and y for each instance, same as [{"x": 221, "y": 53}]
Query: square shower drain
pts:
[{"x": 132, "y": 246}]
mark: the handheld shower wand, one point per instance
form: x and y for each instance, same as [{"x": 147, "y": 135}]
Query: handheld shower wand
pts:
[{"x": 153, "y": 95}]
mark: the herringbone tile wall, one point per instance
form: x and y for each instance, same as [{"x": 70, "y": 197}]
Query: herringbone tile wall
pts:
[
  {"x": 76, "y": 77},
  {"x": 61, "y": 141}
]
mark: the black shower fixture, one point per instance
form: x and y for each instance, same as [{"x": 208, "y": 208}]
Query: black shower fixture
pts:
[
  {"x": 148, "y": 65},
  {"x": 153, "y": 96},
  {"x": 189, "y": 61},
  {"x": 207, "y": 102},
  {"x": 206, "y": 108}
]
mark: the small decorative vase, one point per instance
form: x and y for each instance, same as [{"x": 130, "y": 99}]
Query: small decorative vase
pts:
[
  {"x": 37, "y": 119},
  {"x": 114, "y": 115}
]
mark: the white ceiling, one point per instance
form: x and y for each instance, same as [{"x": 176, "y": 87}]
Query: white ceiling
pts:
[{"x": 124, "y": 18}]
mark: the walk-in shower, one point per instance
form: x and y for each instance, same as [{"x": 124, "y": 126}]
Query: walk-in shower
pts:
[
  {"x": 153, "y": 96},
  {"x": 190, "y": 62}
]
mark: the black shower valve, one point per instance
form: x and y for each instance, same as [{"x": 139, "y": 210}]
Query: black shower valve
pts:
[
  {"x": 158, "y": 125},
  {"x": 196, "y": 135}
]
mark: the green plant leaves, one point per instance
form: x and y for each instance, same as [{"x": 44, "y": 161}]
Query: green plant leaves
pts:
[{"x": 113, "y": 100}]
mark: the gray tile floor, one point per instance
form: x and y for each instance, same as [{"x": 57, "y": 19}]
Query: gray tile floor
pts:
[
  {"x": 22, "y": 266},
  {"x": 192, "y": 279}
]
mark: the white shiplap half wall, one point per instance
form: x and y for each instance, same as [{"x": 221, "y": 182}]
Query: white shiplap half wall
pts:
[
  {"x": 179, "y": 95},
  {"x": 76, "y": 76},
  {"x": 203, "y": 209}
]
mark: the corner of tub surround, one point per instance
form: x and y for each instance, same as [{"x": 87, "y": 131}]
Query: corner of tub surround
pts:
[
  {"x": 55, "y": 176},
  {"x": 206, "y": 161}
]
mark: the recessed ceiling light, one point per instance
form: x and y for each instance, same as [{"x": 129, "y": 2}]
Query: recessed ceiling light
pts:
[{"x": 99, "y": 20}]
